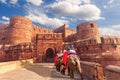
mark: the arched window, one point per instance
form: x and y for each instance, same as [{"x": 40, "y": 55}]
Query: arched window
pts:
[{"x": 92, "y": 25}]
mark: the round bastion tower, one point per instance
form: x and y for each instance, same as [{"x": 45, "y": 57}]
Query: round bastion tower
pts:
[
  {"x": 88, "y": 30},
  {"x": 19, "y": 30}
]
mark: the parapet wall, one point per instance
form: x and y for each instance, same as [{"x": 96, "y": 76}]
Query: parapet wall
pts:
[
  {"x": 13, "y": 65},
  {"x": 112, "y": 72},
  {"x": 92, "y": 71},
  {"x": 95, "y": 71},
  {"x": 17, "y": 52}
]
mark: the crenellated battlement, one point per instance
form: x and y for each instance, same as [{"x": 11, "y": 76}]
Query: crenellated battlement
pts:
[
  {"x": 39, "y": 30},
  {"x": 48, "y": 36},
  {"x": 110, "y": 40}
]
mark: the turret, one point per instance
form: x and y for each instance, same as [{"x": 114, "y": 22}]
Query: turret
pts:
[{"x": 88, "y": 30}]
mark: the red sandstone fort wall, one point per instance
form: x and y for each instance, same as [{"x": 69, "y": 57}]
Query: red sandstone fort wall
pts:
[
  {"x": 39, "y": 30},
  {"x": 90, "y": 46},
  {"x": 65, "y": 31},
  {"x": 2, "y": 32},
  {"x": 49, "y": 41},
  {"x": 20, "y": 30},
  {"x": 107, "y": 52},
  {"x": 17, "y": 52}
]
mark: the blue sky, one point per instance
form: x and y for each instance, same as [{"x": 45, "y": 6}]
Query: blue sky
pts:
[{"x": 54, "y": 13}]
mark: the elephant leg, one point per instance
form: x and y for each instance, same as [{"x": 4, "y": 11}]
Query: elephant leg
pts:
[
  {"x": 68, "y": 68},
  {"x": 62, "y": 69},
  {"x": 80, "y": 71},
  {"x": 71, "y": 71},
  {"x": 68, "y": 71},
  {"x": 58, "y": 66}
]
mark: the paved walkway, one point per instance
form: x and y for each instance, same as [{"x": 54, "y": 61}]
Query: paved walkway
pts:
[{"x": 38, "y": 71}]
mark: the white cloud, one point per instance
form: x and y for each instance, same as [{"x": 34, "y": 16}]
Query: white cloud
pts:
[
  {"x": 45, "y": 20},
  {"x": 3, "y": 1},
  {"x": 114, "y": 30},
  {"x": 10, "y": 1},
  {"x": 74, "y": 2},
  {"x": 35, "y": 2},
  {"x": 40, "y": 17},
  {"x": 13, "y": 1},
  {"x": 5, "y": 18},
  {"x": 74, "y": 8}
]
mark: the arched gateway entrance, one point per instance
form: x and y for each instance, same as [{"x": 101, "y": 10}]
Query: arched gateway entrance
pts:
[{"x": 49, "y": 55}]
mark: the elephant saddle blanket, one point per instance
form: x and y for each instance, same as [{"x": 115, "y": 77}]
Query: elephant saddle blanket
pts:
[{"x": 65, "y": 56}]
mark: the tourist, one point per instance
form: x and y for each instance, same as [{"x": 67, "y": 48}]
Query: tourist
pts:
[
  {"x": 65, "y": 55},
  {"x": 57, "y": 60},
  {"x": 58, "y": 55}
]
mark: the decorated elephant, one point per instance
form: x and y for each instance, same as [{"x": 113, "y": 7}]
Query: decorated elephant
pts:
[{"x": 73, "y": 63}]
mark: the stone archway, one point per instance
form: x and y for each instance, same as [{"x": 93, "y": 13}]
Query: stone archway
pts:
[{"x": 49, "y": 55}]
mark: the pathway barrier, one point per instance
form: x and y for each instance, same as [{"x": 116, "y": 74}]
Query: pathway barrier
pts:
[
  {"x": 92, "y": 71},
  {"x": 112, "y": 72},
  {"x": 13, "y": 65}
]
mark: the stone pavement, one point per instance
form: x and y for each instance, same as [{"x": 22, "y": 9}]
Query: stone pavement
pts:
[{"x": 38, "y": 71}]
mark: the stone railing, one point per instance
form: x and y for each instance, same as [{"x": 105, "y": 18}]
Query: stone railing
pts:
[
  {"x": 95, "y": 71},
  {"x": 92, "y": 71},
  {"x": 112, "y": 72},
  {"x": 13, "y": 65}
]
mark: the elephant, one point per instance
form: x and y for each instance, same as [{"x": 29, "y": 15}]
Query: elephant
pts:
[{"x": 73, "y": 62}]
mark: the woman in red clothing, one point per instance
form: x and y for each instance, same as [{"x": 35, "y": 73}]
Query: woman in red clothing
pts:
[
  {"x": 65, "y": 55},
  {"x": 57, "y": 60},
  {"x": 64, "y": 60}
]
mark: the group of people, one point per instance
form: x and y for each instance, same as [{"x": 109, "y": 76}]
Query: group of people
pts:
[
  {"x": 68, "y": 59},
  {"x": 64, "y": 54}
]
